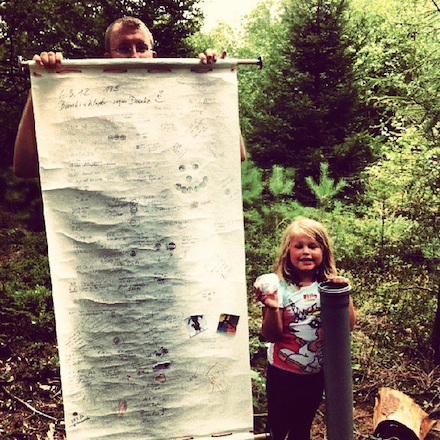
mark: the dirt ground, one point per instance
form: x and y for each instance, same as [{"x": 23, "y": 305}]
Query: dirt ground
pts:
[
  {"x": 31, "y": 403},
  {"x": 33, "y": 410}
]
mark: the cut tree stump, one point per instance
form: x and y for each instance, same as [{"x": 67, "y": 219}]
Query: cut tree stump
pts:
[{"x": 396, "y": 415}]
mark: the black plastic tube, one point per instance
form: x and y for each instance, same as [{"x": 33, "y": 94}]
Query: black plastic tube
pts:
[{"x": 338, "y": 380}]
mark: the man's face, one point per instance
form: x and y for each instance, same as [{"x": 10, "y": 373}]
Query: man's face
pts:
[{"x": 127, "y": 42}]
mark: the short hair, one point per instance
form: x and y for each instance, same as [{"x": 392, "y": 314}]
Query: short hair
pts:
[
  {"x": 314, "y": 230},
  {"x": 128, "y": 22}
]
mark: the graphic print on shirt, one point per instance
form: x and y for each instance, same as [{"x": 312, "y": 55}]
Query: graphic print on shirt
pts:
[{"x": 304, "y": 327}]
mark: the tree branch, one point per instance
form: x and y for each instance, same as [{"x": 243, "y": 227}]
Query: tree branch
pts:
[{"x": 27, "y": 405}]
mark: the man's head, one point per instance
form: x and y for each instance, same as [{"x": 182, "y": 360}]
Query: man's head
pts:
[{"x": 128, "y": 37}]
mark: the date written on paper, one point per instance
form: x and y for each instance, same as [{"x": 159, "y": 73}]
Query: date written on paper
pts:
[{"x": 109, "y": 95}]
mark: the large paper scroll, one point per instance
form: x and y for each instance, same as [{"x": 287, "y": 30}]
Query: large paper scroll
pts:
[{"x": 140, "y": 174}]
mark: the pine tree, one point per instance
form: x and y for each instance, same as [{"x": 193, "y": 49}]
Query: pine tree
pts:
[{"x": 310, "y": 102}]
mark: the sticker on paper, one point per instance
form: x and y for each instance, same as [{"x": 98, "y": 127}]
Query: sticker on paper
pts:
[
  {"x": 228, "y": 323},
  {"x": 196, "y": 324}
]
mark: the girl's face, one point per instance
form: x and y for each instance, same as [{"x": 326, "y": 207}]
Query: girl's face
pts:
[{"x": 305, "y": 255}]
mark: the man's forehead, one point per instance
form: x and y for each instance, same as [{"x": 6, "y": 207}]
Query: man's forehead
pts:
[{"x": 120, "y": 32}]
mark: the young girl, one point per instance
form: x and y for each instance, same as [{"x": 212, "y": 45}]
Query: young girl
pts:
[{"x": 292, "y": 324}]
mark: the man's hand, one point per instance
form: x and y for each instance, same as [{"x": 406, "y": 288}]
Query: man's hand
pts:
[
  {"x": 50, "y": 60},
  {"x": 210, "y": 56}
]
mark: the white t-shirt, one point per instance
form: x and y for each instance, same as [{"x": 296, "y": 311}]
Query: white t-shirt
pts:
[{"x": 300, "y": 348}]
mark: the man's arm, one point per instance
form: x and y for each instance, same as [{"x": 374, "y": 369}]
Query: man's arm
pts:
[
  {"x": 242, "y": 149},
  {"x": 211, "y": 56},
  {"x": 25, "y": 148}
]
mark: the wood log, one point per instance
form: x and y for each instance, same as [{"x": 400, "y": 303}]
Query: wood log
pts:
[{"x": 393, "y": 405}]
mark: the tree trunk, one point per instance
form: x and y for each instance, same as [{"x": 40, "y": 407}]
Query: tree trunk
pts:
[{"x": 396, "y": 415}]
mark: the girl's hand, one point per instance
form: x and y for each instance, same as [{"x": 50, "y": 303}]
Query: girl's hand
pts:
[
  {"x": 266, "y": 290},
  {"x": 350, "y": 307},
  {"x": 339, "y": 280}
]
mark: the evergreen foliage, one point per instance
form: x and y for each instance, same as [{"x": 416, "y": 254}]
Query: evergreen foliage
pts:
[
  {"x": 326, "y": 190},
  {"x": 309, "y": 110}
]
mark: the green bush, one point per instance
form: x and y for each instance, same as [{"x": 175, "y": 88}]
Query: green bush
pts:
[{"x": 26, "y": 307}]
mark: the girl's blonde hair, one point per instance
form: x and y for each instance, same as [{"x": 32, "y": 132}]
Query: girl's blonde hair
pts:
[{"x": 314, "y": 230}]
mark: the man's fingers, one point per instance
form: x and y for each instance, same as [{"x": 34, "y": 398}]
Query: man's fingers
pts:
[
  {"x": 48, "y": 59},
  {"x": 211, "y": 56}
]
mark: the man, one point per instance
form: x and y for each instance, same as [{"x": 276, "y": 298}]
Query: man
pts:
[{"x": 126, "y": 37}]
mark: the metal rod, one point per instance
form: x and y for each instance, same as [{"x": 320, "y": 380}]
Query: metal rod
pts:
[{"x": 152, "y": 62}]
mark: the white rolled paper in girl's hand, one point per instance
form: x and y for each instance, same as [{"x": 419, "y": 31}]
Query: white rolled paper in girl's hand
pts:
[{"x": 266, "y": 286}]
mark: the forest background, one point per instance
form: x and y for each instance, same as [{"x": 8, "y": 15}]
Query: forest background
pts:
[{"x": 340, "y": 125}]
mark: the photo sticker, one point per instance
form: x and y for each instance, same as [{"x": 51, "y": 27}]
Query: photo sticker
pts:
[
  {"x": 196, "y": 324},
  {"x": 228, "y": 323}
]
